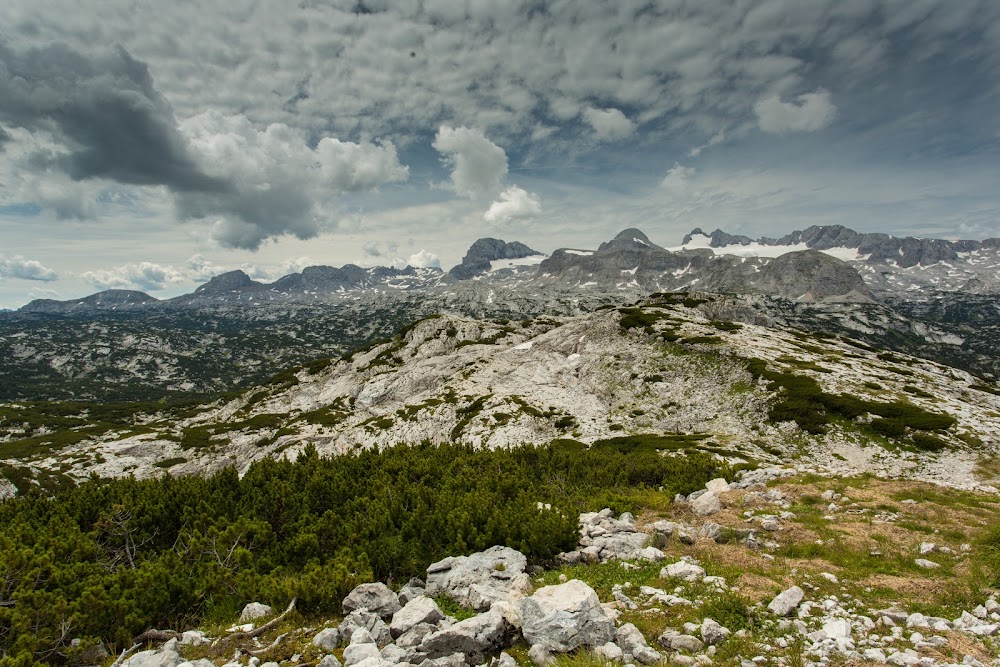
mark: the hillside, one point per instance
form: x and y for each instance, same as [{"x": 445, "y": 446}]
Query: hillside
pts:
[{"x": 668, "y": 371}]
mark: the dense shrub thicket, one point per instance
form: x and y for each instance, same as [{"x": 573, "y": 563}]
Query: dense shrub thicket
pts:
[{"x": 111, "y": 558}]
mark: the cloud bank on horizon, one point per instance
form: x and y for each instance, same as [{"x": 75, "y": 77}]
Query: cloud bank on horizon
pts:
[{"x": 372, "y": 131}]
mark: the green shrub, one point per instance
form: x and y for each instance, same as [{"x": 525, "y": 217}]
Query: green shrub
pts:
[{"x": 113, "y": 558}]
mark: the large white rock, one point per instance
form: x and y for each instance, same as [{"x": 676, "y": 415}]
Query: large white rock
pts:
[
  {"x": 683, "y": 570},
  {"x": 706, "y": 504},
  {"x": 418, "y": 610},
  {"x": 255, "y": 610},
  {"x": 565, "y": 617},
  {"x": 718, "y": 485},
  {"x": 356, "y": 653},
  {"x": 477, "y": 580},
  {"x": 375, "y": 597},
  {"x": 786, "y": 601},
  {"x": 837, "y": 628},
  {"x": 154, "y": 659}
]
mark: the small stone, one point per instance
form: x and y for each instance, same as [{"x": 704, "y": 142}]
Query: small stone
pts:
[
  {"x": 328, "y": 661},
  {"x": 652, "y": 554},
  {"x": 771, "y": 525},
  {"x": 355, "y": 653},
  {"x": 784, "y": 603},
  {"x": 538, "y": 655},
  {"x": 327, "y": 639},
  {"x": 926, "y": 564},
  {"x": 926, "y": 548},
  {"x": 713, "y": 633},
  {"x": 685, "y": 643},
  {"x": 610, "y": 651}
]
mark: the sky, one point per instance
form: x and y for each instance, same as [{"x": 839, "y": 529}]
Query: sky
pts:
[{"x": 150, "y": 145}]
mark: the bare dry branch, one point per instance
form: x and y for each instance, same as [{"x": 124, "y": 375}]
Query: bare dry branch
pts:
[{"x": 126, "y": 653}]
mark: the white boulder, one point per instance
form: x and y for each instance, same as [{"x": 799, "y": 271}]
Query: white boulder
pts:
[{"x": 565, "y": 617}]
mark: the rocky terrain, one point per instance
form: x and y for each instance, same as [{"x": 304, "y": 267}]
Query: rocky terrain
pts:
[
  {"x": 771, "y": 568},
  {"x": 690, "y": 371}
]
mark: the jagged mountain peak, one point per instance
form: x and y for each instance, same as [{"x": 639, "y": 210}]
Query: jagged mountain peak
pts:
[{"x": 481, "y": 255}]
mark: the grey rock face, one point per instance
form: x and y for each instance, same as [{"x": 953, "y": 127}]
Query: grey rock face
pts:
[
  {"x": 414, "y": 636},
  {"x": 482, "y": 252},
  {"x": 477, "y": 580},
  {"x": 810, "y": 274},
  {"x": 565, "y": 617},
  {"x": 376, "y": 598},
  {"x": 329, "y": 661}
]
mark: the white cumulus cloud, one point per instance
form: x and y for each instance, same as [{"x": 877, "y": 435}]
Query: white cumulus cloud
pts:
[
  {"x": 514, "y": 204},
  {"x": 146, "y": 276},
  {"x": 478, "y": 166},
  {"x": 278, "y": 184},
  {"x": 806, "y": 113},
  {"x": 25, "y": 269},
  {"x": 419, "y": 260},
  {"x": 609, "y": 124}
]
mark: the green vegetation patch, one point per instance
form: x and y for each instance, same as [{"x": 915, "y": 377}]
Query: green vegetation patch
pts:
[
  {"x": 112, "y": 558},
  {"x": 802, "y": 400}
]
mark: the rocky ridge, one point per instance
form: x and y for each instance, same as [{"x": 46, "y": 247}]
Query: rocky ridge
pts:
[{"x": 674, "y": 371}]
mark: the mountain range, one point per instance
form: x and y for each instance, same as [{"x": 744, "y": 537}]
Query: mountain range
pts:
[
  {"x": 817, "y": 264},
  {"x": 232, "y": 331}
]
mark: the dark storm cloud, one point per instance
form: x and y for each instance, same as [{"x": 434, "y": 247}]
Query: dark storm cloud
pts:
[
  {"x": 106, "y": 112},
  {"x": 4, "y": 137}
]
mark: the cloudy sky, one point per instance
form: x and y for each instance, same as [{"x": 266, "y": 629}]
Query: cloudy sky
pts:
[{"x": 151, "y": 145}]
